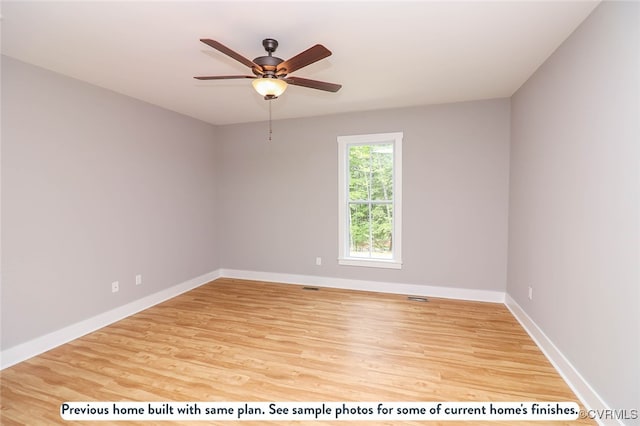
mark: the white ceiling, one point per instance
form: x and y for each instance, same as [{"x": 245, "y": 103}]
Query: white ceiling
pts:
[{"x": 385, "y": 54}]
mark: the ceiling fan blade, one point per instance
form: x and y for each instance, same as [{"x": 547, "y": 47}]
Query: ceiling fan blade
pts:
[
  {"x": 309, "y": 56},
  {"x": 223, "y": 77},
  {"x": 224, "y": 49},
  {"x": 313, "y": 84}
]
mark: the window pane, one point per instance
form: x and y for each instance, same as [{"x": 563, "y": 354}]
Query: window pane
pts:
[
  {"x": 370, "y": 193},
  {"x": 359, "y": 230},
  {"x": 382, "y": 172},
  {"x": 359, "y": 172},
  {"x": 381, "y": 230}
]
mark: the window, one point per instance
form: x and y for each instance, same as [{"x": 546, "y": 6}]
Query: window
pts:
[{"x": 370, "y": 200}]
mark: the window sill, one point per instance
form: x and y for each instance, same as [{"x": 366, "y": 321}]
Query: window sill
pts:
[{"x": 371, "y": 263}]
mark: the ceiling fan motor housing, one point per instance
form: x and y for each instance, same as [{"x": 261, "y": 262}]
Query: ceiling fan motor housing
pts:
[{"x": 268, "y": 63}]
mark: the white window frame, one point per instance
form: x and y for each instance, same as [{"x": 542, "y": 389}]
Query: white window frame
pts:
[{"x": 344, "y": 142}]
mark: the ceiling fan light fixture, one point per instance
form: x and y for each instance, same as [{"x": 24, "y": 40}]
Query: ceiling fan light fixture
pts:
[{"x": 269, "y": 87}]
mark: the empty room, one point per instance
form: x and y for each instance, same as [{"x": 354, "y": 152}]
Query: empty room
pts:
[{"x": 378, "y": 212}]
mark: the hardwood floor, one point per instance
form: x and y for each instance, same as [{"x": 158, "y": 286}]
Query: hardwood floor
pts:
[{"x": 233, "y": 340}]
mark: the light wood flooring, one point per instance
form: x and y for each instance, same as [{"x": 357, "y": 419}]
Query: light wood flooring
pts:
[{"x": 234, "y": 340}]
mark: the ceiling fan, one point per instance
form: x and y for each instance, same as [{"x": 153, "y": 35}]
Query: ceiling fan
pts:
[{"x": 271, "y": 74}]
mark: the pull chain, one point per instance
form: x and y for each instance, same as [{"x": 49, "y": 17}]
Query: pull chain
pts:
[{"x": 270, "y": 131}]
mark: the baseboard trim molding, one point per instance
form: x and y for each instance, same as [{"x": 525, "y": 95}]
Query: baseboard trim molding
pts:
[
  {"x": 364, "y": 285},
  {"x": 37, "y": 346},
  {"x": 577, "y": 383}
]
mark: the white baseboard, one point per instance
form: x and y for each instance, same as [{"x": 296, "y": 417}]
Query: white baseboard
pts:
[
  {"x": 49, "y": 341},
  {"x": 377, "y": 286},
  {"x": 577, "y": 383}
]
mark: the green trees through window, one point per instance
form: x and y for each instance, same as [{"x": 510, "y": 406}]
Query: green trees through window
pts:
[{"x": 370, "y": 198}]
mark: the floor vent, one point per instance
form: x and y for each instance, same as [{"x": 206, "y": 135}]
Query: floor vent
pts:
[
  {"x": 417, "y": 299},
  {"x": 311, "y": 288}
]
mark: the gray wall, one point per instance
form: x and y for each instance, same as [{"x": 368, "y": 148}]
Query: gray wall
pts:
[
  {"x": 279, "y": 198},
  {"x": 96, "y": 187},
  {"x": 574, "y": 201}
]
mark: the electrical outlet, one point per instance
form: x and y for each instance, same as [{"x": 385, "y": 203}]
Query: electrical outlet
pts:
[
  {"x": 530, "y": 293},
  {"x": 138, "y": 279},
  {"x": 318, "y": 261},
  {"x": 115, "y": 287}
]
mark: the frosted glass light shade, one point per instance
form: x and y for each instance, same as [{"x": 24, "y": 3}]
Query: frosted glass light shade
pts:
[{"x": 269, "y": 87}]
